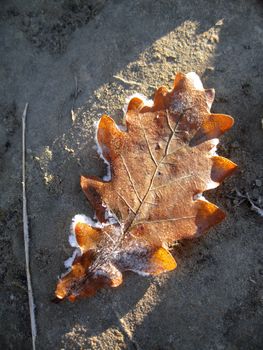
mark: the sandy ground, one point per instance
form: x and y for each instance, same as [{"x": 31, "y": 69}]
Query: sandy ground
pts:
[{"x": 214, "y": 300}]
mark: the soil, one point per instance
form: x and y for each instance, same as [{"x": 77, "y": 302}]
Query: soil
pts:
[{"x": 69, "y": 55}]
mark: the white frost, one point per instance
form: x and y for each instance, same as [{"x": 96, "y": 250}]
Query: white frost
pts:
[
  {"x": 195, "y": 80},
  {"x": 145, "y": 100},
  {"x": 213, "y": 150},
  {"x": 106, "y": 177},
  {"x": 68, "y": 263},
  {"x": 141, "y": 273},
  {"x": 199, "y": 196},
  {"x": 79, "y": 218},
  {"x": 109, "y": 216}
]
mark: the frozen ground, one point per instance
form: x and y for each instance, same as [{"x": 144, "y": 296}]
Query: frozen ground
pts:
[{"x": 214, "y": 300}]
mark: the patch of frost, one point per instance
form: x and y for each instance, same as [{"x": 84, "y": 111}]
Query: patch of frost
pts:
[
  {"x": 199, "y": 196},
  {"x": 106, "y": 177},
  {"x": 195, "y": 80},
  {"x": 68, "y": 263},
  {"x": 213, "y": 150},
  {"x": 141, "y": 273},
  {"x": 146, "y": 101},
  {"x": 79, "y": 218},
  {"x": 109, "y": 216}
]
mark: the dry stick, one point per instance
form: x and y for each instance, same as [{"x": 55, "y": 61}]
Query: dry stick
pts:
[
  {"x": 130, "y": 82},
  {"x": 253, "y": 205},
  {"x": 26, "y": 233},
  {"x": 75, "y": 96}
]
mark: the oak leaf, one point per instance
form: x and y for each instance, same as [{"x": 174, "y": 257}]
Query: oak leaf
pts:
[{"x": 161, "y": 164}]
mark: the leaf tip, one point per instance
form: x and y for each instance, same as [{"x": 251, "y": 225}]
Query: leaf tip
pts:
[{"x": 222, "y": 168}]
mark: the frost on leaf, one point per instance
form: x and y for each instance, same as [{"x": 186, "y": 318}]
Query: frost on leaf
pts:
[{"x": 160, "y": 166}]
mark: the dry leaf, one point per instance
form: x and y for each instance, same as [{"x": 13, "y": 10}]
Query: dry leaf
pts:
[{"x": 160, "y": 166}]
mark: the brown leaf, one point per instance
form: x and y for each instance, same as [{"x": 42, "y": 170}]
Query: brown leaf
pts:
[{"x": 160, "y": 167}]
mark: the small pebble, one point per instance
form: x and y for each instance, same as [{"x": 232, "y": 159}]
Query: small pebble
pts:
[
  {"x": 235, "y": 144},
  {"x": 210, "y": 69},
  {"x": 26, "y": 21},
  {"x": 258, "y": 183},
  {"x": 229, "y": 204},
  {"x": 255, "y": 193},
  {"x": 219, "y": 23}
]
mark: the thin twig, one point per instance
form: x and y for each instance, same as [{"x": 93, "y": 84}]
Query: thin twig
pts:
[
  {"x": 26, "y": 233},
  {"x": 130, "y": 82},
  {"x": 254, "y": 207},
  {"x": 75, "y": 96}
]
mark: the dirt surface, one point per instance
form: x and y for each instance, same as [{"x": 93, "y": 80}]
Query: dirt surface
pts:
[{"x": 214, "y": 300}]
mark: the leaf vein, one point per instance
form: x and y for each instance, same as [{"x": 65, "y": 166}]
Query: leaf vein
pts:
[
  {"x": 162, "y": 220},
  {"x": 147, "y": 142},
  {"x": 130, "y": 178}
]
